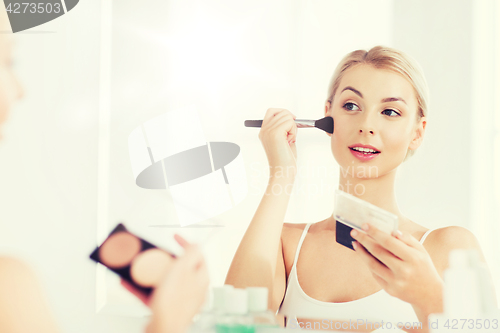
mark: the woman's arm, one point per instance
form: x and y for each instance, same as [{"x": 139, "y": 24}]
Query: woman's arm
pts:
[
  {"x": 22, "y": 304},
  {"x": 259, "y": 258}
]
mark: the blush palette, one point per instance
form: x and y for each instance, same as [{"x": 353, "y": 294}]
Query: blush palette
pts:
[{"x": 134, "y": 259}]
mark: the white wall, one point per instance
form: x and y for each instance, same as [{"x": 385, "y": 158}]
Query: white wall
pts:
[{"x": 240, "y": 60}]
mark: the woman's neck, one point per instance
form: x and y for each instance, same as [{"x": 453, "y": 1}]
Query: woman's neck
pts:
[{"x": 378, "y": 191}]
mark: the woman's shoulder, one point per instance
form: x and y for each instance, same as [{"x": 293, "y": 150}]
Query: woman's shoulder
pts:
[
  {"x": 293, "y": 227},
  {"x": 455, "y": 234},
  {"x": 15, "y": 272},
  {"x": 291, "y": 232},
  {"x": 290, "y": 236},
  {"x": 441, "y": 241},
  {"x": 452, "y": 237},
  {"x": 13, "y": 267}
]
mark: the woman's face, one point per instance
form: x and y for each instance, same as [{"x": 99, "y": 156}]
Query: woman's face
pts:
[
  {"x": 375, "y": 107},
  {"x": 10, "y": 89}
]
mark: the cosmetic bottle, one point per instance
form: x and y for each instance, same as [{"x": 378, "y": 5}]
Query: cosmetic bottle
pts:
[
  {"x": 206, "y": 320},
  {"x": 461, "y": 288},
  {"x": 235, "y": 318},
  {"x": 220, "y": 295},
  {"x": 486, "y": 288},
  {"x": 257, "y": 308}
]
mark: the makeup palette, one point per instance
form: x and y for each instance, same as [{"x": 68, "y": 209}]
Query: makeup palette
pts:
[
  {"x": 134, "y": 259},
  {"x": 351, "y": 212}
]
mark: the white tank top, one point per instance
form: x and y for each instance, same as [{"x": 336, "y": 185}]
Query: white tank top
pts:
[{"x": 375, "y": 307}]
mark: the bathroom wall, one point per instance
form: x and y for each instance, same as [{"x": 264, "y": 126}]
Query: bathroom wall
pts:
[{"x": 234, "y": 61}]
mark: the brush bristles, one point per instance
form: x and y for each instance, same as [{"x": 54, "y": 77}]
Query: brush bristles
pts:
[{"x": 326, "y": 124}]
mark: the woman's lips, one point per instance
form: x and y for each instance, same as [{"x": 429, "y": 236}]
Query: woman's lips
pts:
[{"x": 362, "y": 156}]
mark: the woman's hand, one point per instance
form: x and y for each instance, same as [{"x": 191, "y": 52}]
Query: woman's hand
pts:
[
  {"x": 179, "y": 297},
  {"x": 401, "y": 265},
  {"x": 278, "y": 134}
]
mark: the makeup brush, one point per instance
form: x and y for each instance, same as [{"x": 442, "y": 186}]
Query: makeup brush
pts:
[{"x": 325, "y": 124}]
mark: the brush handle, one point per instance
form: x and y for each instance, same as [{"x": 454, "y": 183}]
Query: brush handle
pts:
[
  {"x": 300, "y": 123},
  {"x": 253, "y": 123}
]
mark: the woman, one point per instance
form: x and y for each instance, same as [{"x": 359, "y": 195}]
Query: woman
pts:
[
  {"x": 23, "y": 307},
  {"x": 378, "y": 99}
]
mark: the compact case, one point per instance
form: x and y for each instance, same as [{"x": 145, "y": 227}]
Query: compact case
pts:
[
  {"x": 351, "y": 213},
  {"x": 134, "y": 259}
]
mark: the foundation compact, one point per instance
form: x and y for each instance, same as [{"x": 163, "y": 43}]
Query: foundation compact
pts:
[
  {"x": 351, "y": 212},
  {"x": 134, "y": 259}
]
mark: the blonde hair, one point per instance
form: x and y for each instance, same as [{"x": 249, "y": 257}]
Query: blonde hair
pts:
[{"x": 383, "y": 57}]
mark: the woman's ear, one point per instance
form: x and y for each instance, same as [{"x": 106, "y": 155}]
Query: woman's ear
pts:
[
  {"x": 418, "y": 135},
  {"x": 327, "y": 113}
]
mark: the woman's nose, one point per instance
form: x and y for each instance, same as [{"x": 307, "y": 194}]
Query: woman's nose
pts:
[
  {"x": 367, "y": 127},
  {"x": 366, "y": 131}
]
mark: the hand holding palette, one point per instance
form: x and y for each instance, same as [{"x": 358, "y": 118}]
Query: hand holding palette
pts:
[
  {"x": 352, "y": 212},
  {"x": 135, "y": 260}
]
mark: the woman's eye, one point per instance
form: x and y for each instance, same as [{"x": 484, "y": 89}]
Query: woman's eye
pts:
[
  {"x": 390, "y": 110},
  {"x": 350, "y": 106}
]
